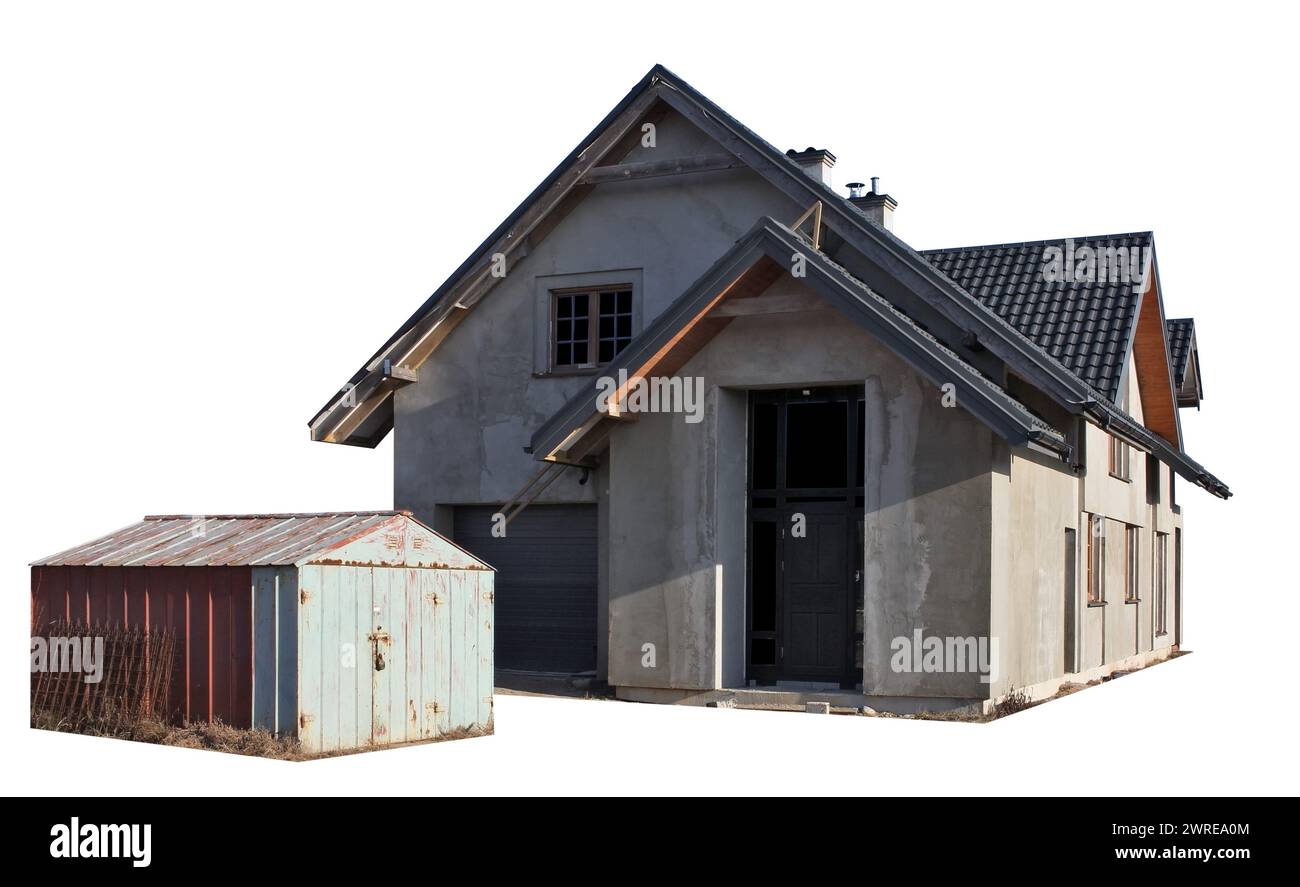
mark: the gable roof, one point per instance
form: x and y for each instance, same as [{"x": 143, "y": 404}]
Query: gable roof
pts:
[
  {"x": 1086, "y": 325},
  {"x": 379, "y": 376},
  {"x": 744, "y": 271},
  {"x": 228, "y": 540},
  {"x": 360, "y": 413},
  {"x": 889, "y": 260}
]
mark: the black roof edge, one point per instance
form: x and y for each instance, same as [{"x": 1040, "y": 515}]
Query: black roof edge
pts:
[
  {"x": 1109, "y": 417},
  {"x": 1150, "y": 235}
]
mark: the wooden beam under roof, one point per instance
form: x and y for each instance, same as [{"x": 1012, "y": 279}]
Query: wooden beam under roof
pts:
[{"x": 626, "y": 172}]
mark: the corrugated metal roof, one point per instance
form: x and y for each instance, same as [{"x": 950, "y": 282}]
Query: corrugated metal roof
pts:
[{"x": 223, "y": 540}]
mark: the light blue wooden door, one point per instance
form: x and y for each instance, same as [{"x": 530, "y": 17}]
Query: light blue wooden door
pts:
[{"x": 380, "y": 653}]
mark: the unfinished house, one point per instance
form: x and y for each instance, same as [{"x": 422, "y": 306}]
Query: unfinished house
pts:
[{"x": 724, "y": 435}]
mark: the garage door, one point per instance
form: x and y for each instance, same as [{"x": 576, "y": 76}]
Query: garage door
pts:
[{"x": 545, "y": 584}]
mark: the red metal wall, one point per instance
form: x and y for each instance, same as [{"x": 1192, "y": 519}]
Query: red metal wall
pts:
[{"x": 210, "y": 610}]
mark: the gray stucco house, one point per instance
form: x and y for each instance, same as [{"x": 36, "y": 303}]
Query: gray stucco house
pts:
[{"x": 770, "y": 451}]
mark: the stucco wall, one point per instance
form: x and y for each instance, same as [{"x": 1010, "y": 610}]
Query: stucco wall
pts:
[
  {"x": 1042, "y": 498},
  {"x": 461, "y": 429},
  {"x": 1035, "y": 501},
  {"x": 677, "y": 509},
  {"x": 962, "y": 536}
]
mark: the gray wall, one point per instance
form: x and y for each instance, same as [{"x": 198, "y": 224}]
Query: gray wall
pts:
[
  {"x": 1035, "y": 499},
  {"x": 461, "y": 429},
  {"x": 677, "y": 509},
  {"x": 928, "y": 530},
  {"x": 962, "y": 536}
]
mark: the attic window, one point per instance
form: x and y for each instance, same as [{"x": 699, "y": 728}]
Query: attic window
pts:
[{"x": 590, "y": 326}]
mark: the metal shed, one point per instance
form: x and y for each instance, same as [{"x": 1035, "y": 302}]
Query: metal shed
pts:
[{"x": 347, "y": 630}]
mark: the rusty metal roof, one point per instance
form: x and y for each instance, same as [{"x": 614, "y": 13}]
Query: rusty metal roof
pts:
[{"x": 176, "y": 540}]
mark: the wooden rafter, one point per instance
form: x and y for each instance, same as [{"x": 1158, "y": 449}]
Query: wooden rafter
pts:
[
  {"x": 815, "y": 213},
  {"x": 626, "y": 172}
]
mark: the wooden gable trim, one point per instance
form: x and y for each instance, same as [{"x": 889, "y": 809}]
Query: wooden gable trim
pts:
[
  {"x": 707, "y": 323},
  {"x": 1150, "y": 354}
]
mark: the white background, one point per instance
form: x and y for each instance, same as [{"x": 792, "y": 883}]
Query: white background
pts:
[{"x": 211, "y": 215}]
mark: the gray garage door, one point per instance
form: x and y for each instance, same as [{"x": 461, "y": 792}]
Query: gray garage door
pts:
[{"x": 545, "y": 584}]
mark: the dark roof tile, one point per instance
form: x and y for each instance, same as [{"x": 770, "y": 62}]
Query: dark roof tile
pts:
[
  {"x": 1180, "y": 331},
  {"x": 1087, "y": 326}
]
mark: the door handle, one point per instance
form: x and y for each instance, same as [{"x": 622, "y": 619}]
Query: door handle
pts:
[{"x": 375, "y": 638}]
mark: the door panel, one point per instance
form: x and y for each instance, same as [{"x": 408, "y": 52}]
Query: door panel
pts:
[
  {"x": 378, "y": 650},
  {"x": 545, "y": 584},
  {"x": 804, "y": 614},
  {"x": 816, "y": 594}
]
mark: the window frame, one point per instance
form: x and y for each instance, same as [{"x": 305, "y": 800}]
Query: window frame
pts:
[
  {"x": 1096, "y": 560},
  {"x": 593, "y": 294},
  {"x": 543, "y": 285},
  {"x": 1132, "y": 572},
  {"x": 1120, "y": 459},
  {"x": 1160, "y": 584}
]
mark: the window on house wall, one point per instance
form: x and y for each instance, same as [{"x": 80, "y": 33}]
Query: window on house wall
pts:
[
  {"x": 1131, "y": 546},
  {"x": 1096, "y": 559},
  {"x": 1173, "y": 491},
  {"x": 1119, "y": 458},
  {"x": 590, "y": 327},
  {"x": 1160, "y": 582},
  {"x": 1153, "y": 480}
]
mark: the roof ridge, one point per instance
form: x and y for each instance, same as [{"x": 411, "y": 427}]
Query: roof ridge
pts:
[{"x": 1046, "y": 240}]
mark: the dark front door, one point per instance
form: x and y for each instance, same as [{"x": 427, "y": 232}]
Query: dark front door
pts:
[
  {"x": 805, "y": 541},
  {"x": 816, "y": 591}
]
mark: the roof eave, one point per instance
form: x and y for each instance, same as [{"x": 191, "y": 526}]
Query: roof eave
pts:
[{"x": 320, "y": 425}]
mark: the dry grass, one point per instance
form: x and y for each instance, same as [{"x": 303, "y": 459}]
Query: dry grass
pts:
[
  {"x": 1016, "y": 700},
  {"x": 214, "y": 736},
  {"x": 211, "y": 736},
  {"x": 217, "y": 736}
]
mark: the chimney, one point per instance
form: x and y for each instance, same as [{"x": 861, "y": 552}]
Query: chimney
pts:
[
  {"x": 817, "y": 162},
  {"x": 877, "y": 207}
]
